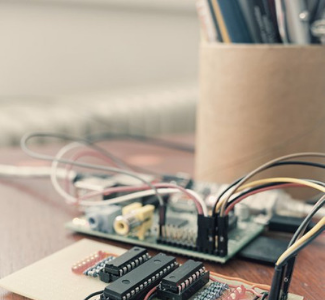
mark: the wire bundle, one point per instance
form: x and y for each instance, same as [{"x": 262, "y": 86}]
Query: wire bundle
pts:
[
  {"x": 146, "y": 189},
  {"x": 240, "y": 190},
  {"x": 226, "y": 201}
]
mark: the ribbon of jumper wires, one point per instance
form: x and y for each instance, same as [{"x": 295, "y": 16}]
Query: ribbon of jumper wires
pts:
[
  {"x": 238, "y": 191},
  {"x": 229, "y": 197},
  {"x": 223, "y": 199}
]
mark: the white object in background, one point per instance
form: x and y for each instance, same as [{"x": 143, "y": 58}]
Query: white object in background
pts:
[
  {"x": 146, "y": 110},
  {"x": 32, "y": 172},
  {"x": 297, "y": 21}
]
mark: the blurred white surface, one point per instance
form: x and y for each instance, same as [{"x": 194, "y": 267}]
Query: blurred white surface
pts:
[
  {"x": 73, "y": 46},
  {"x": 147, "y": 110},
  {"x": 116, "y": 57}
]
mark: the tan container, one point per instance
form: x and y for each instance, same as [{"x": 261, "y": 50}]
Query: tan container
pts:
[{"x": 258, "y": 102}]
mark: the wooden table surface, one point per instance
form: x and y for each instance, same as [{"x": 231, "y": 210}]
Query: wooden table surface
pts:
[{"x": 32, "y": 215}]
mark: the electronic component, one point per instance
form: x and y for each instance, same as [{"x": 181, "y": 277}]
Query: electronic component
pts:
[
  {"x": 286, "y": 223},
  {"x": 222, "y": 229},
  {"x": 177, "y": 233},
  {"x": 176, "y": 222},
  {"x": 264, "y": 249},
  {"x": 206, "y": 237},
  {"x": 135, "y": 284},
  {"x": 31, "y": 282},
  {"x": 200, "y": 236},
  {"x": 183, "y": 282},
  {"x": 180, "y": 240},
  {"x": 214, "y": 291},
  {"x": 102, "y": 219},
  {"x": 182, "y": 179},
  {"x": 238, "y": 293},
  {"x": 136, "y": 219},
  {"x": 123, "y": 264},
  {"x": 95, "y": 270},
  {"x": 179, "y": 237},
  {"x": 89, "y": 261},
  {"x": 242, "y": 211}
]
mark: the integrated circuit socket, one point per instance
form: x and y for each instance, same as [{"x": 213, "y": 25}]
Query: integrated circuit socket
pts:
[
  {"x": 183, "y": 282},
  {"x": 123, "y": 264},
  {"x": 137, "y": 283}
]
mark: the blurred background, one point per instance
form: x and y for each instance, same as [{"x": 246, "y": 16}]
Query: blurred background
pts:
[{"x": 81, "y": 66}]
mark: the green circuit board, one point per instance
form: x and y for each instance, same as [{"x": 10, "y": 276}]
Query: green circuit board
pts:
[{"x": 239, "y": 237}]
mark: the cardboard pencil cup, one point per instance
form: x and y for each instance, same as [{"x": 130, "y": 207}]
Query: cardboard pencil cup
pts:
[{"x": 259, "y": 102}]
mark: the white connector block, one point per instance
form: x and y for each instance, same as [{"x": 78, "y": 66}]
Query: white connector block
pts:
[{"x": 135, "y": 218}]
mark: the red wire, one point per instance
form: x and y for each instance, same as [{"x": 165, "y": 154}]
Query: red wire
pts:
[
  {"x": 150, "y": 293},
  {"x": 231, "y": 206}
]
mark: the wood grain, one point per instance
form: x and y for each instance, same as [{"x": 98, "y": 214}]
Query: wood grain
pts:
[{"x": 32, "y": 217}]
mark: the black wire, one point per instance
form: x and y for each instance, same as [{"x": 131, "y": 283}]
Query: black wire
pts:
[
  {"x": 306, "y": 243},
  {"x": 93, "y": 295},
  {"x": 262, "y": 186},
  {"x": 289, "y": 263},
  {"x": 214, "y": 212},
  {"x": 265, "y": 294},
  {"x": 302, "y": 226},
  {"x": 298, "y": 162},
  {"x": 277, "y": 164},
  {"x": 307, "y": 220}
]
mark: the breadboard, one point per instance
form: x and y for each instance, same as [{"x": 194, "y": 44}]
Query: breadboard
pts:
[{"x": 52, "y": 278}]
